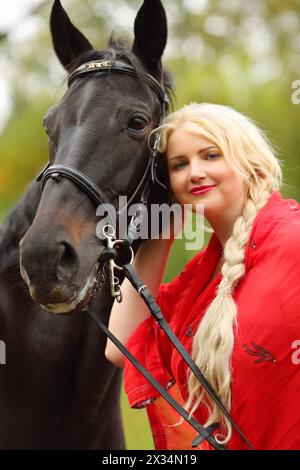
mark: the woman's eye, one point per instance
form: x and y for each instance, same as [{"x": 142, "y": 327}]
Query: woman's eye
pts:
[
  {"x": 137, "y": 124},
  {"x": 212, "y": 156},
  {"x": 179, "y": 166}
]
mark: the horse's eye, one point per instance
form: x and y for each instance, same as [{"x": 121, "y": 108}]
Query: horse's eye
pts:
[{"x": 137, "y": 124}]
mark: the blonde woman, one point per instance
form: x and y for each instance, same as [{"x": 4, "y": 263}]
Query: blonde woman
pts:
[{"x": 236, "y": 305}]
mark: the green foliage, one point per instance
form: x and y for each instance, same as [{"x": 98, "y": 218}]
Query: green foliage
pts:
[
  {"x": 137, "y": 429},
  {"x": 23, "y": 149}
]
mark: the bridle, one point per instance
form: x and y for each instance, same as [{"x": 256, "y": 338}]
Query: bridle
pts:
[
  {"x": 58, "y": 171},
  {"x": 84, "y": 182}
]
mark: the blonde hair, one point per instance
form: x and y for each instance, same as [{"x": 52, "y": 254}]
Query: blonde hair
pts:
[{"x": 249, "y": 154}]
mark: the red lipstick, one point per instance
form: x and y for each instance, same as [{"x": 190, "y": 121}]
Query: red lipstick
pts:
[{"x": 202, "y": 189}]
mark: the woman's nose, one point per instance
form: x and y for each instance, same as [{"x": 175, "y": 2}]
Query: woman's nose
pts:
[{"x": 197, "y": 171}]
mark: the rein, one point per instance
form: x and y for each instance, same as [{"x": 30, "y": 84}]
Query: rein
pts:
[{"x": 58, "y": 171}]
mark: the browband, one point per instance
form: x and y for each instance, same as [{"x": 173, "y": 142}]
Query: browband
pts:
[{"x": 104, "y": 66}]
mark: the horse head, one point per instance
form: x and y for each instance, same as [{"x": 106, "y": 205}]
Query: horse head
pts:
[{"x": 99, "y": 131}]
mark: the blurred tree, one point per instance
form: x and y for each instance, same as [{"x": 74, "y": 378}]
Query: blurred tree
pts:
[{"x": 234, "y": 52}]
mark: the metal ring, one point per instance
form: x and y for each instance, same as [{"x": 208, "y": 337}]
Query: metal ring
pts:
[
  {"x": 142, "y": 287},
  {"x": 119, "y": 296},
  {"x": 108, "y": 226},
  {"x": 120, "y": 268}
]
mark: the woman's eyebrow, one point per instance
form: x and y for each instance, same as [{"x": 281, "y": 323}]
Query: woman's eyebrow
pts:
[{"x": 200, "y": 151}]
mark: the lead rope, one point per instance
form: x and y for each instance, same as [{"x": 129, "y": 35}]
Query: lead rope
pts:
[
  {"x": 157, "y": 313},
  {"x": 110, "y": 255},
  {"x": 203, "y": 433}
]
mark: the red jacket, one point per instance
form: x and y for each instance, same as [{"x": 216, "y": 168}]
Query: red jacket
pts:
[{"x": 266, "y": 356}]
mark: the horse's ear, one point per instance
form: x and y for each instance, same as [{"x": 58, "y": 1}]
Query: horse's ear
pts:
[
  {"x": 150, "y": 35},
  {"x": 68, "y": 41}
]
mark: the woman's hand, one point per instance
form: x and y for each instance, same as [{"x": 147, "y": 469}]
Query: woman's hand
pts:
[{"x": 150, "y": 262}]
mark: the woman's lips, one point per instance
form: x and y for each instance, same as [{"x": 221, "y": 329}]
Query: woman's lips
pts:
[{"x": 201, "y": 189}]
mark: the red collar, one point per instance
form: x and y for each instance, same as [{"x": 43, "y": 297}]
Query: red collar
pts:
[
  {"x": 268, "y": 217},
  {"x": 276, "y": 209}
]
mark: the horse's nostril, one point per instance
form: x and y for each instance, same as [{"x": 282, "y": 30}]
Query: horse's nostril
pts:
[{"x": 67, "y": 265}]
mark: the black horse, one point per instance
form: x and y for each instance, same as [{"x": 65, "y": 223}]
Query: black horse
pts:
[{"x": 57, "y": 391}]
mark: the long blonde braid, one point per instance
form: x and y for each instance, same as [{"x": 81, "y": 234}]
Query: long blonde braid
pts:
[
  {"x": 214, "y": 340},
  {"x": 247, "y": 151}
]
